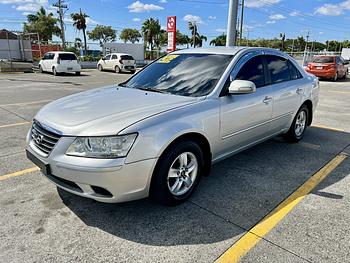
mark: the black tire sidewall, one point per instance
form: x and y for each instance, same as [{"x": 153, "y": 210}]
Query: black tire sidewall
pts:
[
  {"x": 291, "y": 134},
  {"x": 99, "y": 67},
  {"x": 159, "y": 188}
]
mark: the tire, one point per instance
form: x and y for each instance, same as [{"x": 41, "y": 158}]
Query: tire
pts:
[
  {"x": 174, "y": 187},
  {"x": 345, "y": 74},
  {"x": 77, "y": 73},
  {"x": 117, "y": 69},
  {"x": 54, "y": 71},
  {"x": 297, "y": 129},
  {"x": 99, "y": 67},
  {"x": 132, "y": 71},
  {"x": 335, "y": 78},
  {"x": 40, "y": 69}
]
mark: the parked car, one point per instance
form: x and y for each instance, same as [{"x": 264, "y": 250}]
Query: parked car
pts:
[
  {"x": 118, "y": 62},
  {"x": 59, "y": 62},
  {"x": 160, "y": 131},
  {"x": 328, "y": 66}
]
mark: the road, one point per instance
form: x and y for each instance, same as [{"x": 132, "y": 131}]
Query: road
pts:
[{"x": 252, "y": 196}]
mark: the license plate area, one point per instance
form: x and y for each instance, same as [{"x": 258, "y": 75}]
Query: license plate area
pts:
[
  {"x": 45, "y": 168},
  {"x": 319, "y": 67}
]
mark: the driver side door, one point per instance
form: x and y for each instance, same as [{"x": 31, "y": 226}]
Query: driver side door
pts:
[{"x": 245, "y": 118}]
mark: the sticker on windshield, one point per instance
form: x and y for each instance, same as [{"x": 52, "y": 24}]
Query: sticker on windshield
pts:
[{"x": 167, "y": 59}]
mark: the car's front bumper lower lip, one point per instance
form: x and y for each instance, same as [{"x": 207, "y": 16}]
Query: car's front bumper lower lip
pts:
[{"x": 111, "y": 184}]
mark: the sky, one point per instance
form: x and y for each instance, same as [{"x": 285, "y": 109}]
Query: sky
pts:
[{"x": 323, "y": 19}]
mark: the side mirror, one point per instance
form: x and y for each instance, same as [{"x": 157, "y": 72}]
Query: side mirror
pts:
[{"x": 241, "y": 87}]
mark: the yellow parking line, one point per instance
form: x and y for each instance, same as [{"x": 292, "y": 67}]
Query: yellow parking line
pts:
[
  {"x": 252, "y": 237},
  {"x": 24, "y": 103},
  {"x": 14, "y": 124},
  {"x": 19, "y": 173},
  {"x": 327, "y": 128}
]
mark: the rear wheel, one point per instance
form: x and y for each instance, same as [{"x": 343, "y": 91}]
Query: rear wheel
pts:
[
  {"x": 335, "y": 78},
  {"x": 117, "y": 69},
  {"x": 54, "y": 71},
  {"x": 177, "y": 174},
  {"x": 298, "y": 127}
]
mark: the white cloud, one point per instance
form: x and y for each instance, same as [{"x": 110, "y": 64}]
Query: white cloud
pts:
[
  {"x": 259, "y": 3},
  {"x": 277, "y": 17},
  {"x": 136, "y": 19},
  {"x": 90, "y": 21},
  {"x": 294, "y": 13},
  {"x": 163, "y": 1},
  {"x": 345, "y": 4},
  {"x": 221, "y": 30},
  {"x": 192, "y": 18},
  {"x": 211, "y": 17},
  {"x": 139, "y": 7},
  {"x": 26, "y": 5},
  {"x": 271, "y": 22},
  {"x": 329, "y": 10},
  {"x": 321, "y": 33}
]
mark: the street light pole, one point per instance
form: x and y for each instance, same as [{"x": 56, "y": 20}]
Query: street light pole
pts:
[
  {"x": 60, "y": 6},
  {"x": 241, "y": 24},
  {"x": 232, "y": 23}
]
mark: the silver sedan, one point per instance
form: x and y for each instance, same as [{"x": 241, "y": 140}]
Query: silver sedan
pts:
[{"x": 159, "y": 132}]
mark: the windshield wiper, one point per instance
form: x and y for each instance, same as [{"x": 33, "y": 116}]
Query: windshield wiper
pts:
[{"x": 152, "y": 90}]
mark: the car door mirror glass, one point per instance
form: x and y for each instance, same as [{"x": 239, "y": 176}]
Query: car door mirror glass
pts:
[{"x": 242, "y": 87}]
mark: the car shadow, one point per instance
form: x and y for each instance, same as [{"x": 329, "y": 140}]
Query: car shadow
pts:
[{"x": 240, "y": 191}]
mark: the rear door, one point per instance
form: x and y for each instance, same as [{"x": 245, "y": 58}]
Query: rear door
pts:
[
  {"x": 67, "y": 60},
  {"x": 288, "y": 87},
  {"x": 244, "y": 118},
  {"x": 128, "y": 61}
]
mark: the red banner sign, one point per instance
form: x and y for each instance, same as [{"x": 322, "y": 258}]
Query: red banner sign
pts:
[{"x": 171, "y": 29}]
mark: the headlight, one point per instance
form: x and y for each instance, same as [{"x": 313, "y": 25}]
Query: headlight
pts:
[{"x": 102, "y": 147}]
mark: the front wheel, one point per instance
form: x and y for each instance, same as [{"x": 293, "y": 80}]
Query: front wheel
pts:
[
  {"x": 335, "y": 78},
  {"x": 54, "y": 71},
  {"x": 99, "y": 67},
  {"x": 77, "y": 73},
  {"x": 117, "y": 69},
  {"x": 298, "y": 127},
  {"x": 177, "y": 174},
  {"x": 40, "y": 69}
]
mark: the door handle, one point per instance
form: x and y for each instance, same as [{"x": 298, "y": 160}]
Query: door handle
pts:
[
  {"x": 299, "y": 91},
  {"x": 267, "y": 99}
]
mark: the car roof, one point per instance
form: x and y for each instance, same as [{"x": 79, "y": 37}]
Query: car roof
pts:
[
  {"x": 120, "y": 54},
  {"x": 222, "y": 50},
  {"x": 60, "y": 52}
]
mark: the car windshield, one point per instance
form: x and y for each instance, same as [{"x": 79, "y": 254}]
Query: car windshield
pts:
[
  {"x": 182, "y": 74},
  {"x": 323, "y": 59},
  {"x": 126, "y": 57},
  {"x": 67, "y": 56}
]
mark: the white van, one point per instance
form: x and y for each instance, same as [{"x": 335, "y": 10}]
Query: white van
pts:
[
  {"x": 59, "y": 62},
  {"x": 117, "y": 62}
]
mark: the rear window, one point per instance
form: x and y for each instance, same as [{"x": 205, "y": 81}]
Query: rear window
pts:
[
  {"x": 67, "y": 56},
  {"x": 323, "y": 59},
  {"x": 126, "y": 57}
]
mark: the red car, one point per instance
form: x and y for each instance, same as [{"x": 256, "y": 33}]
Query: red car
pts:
[{"x": 328, "y": 66}]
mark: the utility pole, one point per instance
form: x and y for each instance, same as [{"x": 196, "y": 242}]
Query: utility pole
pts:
[
  {"x": 307, "y": 40},
  {"x": 60, "y": 6},
  {"x": 232, "y": 23},
  {"x": 241, "y": 24}
]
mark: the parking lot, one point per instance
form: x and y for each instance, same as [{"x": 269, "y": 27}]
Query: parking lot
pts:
[{"x": 259, "y": 204}]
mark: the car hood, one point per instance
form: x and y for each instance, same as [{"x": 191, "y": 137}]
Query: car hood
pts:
[{"x": 106, "y": 111}]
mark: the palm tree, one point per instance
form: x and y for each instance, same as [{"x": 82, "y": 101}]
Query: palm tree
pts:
[
  {"x": 42, "y": 23},
  {"x": 151, "y": 30},
  {"x": 219, "y": 41},
  {"x": 196, "y": 37},
  {"x": 79, "y": 22}
]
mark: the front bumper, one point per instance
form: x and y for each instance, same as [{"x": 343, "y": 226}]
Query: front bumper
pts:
[{"x": 104, "y": 180}]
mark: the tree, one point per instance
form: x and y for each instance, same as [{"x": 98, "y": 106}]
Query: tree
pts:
[
  {"x": 182, "y": 39},
  {"x": 103, "y": 34},
  {"x": 150, "y": 30},
  {"x": 219, "y": 41},
  {"x": 79, "y": 22},
  {"x": 130, "y": 34},
  {"x": 283, "y": 38},
  {"x": 42, "y": 23},
  {"x": 196, "y": 37}
]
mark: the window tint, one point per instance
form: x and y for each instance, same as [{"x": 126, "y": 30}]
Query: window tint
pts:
[
  {"x": 253, "y": 70},
  {"x": 114, "y": 57},
  {"x": 294, "y": 72},
  {"x": 126, "y": 57},
  {"x": 67, "y": 56},
  {"x": 107, "y": 57},
  {"x": 48, "y": 56},
  {"x": 323, "y": 59},
  {"x": 278, "y": 69}
]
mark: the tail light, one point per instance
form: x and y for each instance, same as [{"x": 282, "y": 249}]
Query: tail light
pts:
[{"x": 121, "y": 61}]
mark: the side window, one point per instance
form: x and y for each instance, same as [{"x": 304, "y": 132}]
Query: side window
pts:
[
  {"x": 51, "y": 56},
  {"x": 294, "y": 72},
  {"x": 337, "y": 60},
  {"x": 278, "y": 69},
  {"x": 114, "y": 57},
  {"x": 107, "y": 57},
  {"x": 253, "y": 70},
  {"x": 45, "y": 56}
]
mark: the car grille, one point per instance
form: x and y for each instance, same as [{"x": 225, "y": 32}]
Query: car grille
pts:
[{"x": 43, "y": 139}]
